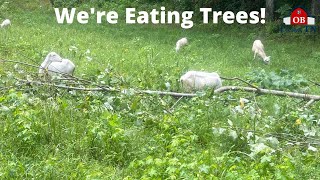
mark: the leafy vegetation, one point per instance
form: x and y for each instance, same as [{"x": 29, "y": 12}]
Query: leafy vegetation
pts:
[
  {"x": 285, "y": 80},
  {"x": 52, "y": 133}
]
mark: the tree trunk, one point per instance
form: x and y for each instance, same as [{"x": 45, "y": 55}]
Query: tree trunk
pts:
[
  {"x": 269, "y": 9},
  {"x": 52, "y": 2},
  {"x": 314, "y": 7}
]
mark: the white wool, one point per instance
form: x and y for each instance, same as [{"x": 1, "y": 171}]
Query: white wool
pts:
[
  {"x": 64, "y": 67},
  {"x": 5, "y": 23},
  {"x": 198, "y": 80},
  {"x": 51, "y": 57},
  {"x": 55, "y": 64},
  {"x": 258, "y": 48},
  {"x": 180, "y": 43}
]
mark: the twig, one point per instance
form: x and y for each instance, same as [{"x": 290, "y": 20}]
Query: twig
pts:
[
  {"x": 34, "y": 66},
  {"x": 296, "y": 136},
  {"x": 5, "y": 88},
  {"x": 289, "y": 137},
  {"x": 309, "y": 103},
  {"x": 240, "y": 152},
  {"x": 308, "y": 143},
  {"x": 239, "y": 79},
  {"x": 175, "y": 104},
  {"x": 65, "y": 79},
  {"x": 21, "y": 54},
  {"x": 318, "y": 84},
  {"x": 18, "y": 62},
  {"x": 63, "y": 74},
  {"x": 174, "y": 94},
  {"x": 68, "y": 87}
]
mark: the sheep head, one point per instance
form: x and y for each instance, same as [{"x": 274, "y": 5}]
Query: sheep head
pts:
[
  {"x": 53, "y": 57},
  {"x": 180, "y": 43},
  {"x": 186, "y": 81},
  {"x": 267, "y": 59}
]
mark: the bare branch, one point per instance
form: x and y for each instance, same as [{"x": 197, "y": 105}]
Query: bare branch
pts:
[
  {"x": 268, "y": 91},
  {"x": 63, "y": 74},
  {"x": 309, "y": 103},
  {"x": 175, "y": 94},
  {"x": 5, "y": 88},
  {"x": 317, "y": 84},
  {"x": 252, "y": 88},
  {"x": 18, "y": 62},
  {"x": 239, "y": 79},
  {"x": 67, "y": 87}
]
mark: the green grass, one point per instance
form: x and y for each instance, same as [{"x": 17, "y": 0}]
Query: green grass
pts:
[
  {"x": 58, "y": 134},
  {"x": 133, "y": 48}
]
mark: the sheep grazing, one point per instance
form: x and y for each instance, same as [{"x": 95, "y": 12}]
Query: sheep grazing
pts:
[
  {"x": 180, "y": 43},
  {"x": 258, "y": 48},
  {"x": 5, "y": 23},
  {"x": 198, "y": 80},
  {"x": 54, "y": 64}
]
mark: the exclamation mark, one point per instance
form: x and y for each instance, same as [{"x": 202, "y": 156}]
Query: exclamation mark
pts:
[{"x": 263, "y": 15}]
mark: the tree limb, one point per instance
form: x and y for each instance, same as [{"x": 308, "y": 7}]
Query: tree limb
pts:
[
  {"x": 252, "y": 88},
  {"x": 268, "y": 91},
  {"x": 176, "y": 94},
  {"x": 317, "y": 84}
]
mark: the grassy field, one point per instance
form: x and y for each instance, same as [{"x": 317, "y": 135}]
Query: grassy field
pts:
[{"x": 50, "y": 133}]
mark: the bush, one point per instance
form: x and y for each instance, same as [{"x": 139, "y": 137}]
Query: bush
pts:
[{"x": 284, "y": 80}]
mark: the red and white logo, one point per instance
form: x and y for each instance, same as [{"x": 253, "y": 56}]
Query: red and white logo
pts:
[{"x": 299, "y": 17}]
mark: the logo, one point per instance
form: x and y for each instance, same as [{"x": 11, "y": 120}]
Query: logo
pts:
[
  {"x": 299, "y": 22},
  {"x": 299, "y": 17}
]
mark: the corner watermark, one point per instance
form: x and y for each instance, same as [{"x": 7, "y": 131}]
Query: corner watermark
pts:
[{"x": 299, "y": 22}]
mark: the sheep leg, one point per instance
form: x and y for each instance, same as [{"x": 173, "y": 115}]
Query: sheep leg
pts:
[{"x": 254, "y": 56}]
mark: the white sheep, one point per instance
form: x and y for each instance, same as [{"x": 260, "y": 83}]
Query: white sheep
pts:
[
  {"x": 180, "y": 43},
  {"x": 55, "y": 64},
  {"x": 258, "y": 48},
  {"x": 198, "y": 80},
  {"x": 5, "y": 23},
  {"x": 64, "y": 67}
]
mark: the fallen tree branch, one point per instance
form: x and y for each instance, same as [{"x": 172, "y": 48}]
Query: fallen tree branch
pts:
[
  {"x": 252, "y": 88},
  {"x": 268, "y": 91},
  {"x": 176, "y": 94},
  {"x": 163, "y": 93}
]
